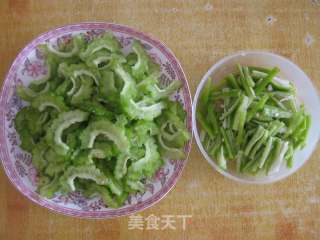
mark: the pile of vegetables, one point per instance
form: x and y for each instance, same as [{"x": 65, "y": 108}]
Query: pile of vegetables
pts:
[
  {"x": 251, "y": 121},
  {"x": 98, "y": 122}
]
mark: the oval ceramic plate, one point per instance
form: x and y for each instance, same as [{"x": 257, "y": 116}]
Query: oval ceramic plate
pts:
[{"x": 29, "y": 65}]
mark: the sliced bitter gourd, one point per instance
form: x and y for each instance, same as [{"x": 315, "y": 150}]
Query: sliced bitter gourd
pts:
[
  {"x": 169, "y": 152},
  {"x": 106, "y": 42},
  {"x": 77, "y": 45},
  {"x": 82, "y": 172},
  {"x": 84, "y": 92},
  {"x": 106, "y": 128},
  {"x": 77, "y": 70},
  {"x": 28, "y": 94},
  {"x": 43, "y": 101},
  {"x": 141, "y": 66},
  {"x": 64, "y": 120},
  {"x": 121, "y": 166},
  {"x": 100, "y": 59},
  {"x": 147, "y": 165},
  {"x": 38, "y": 158}
]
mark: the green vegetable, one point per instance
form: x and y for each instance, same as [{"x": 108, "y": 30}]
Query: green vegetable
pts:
[
  {"x": 279, "y": 157},
  {"x": 144, "y": 110},
  {"x": 172, "y": 140},
  {"x": 107, "y": 88},
  {"x": 204, "y": 124},
  {"x": 107, "y": 42},
  {"x": 99, "y": 122},
  {"x": 275, "y": 112},
  {"x": 248, "y": 77},
  {"x": 141, "y": 66},
  {"x": 231, "y": 109},
  {"x": 227, "y": 143},
  {"x": 77, "y": 43},
  {"x": 91, "y": 189},
  {"x": 226, "y": 94},
  {"x": 147, "y": 165},
  {"x": 38, "y": 156},
  {"x": 75, "y": 71},
  {"x": 213, "y": 120},
  {"x": 43, "y": 101},
  {"x": 58, "y": 125},
  {"x": 255, "y": 138},
  {"x": 266, "y": 152},
  {"x": 252, "y": 117},
  {"x": 240, "y": 118},
  {"x": 28, "y": 94},
  {"x": 232, "y": 81},
  {"x": 222, "y": 162},
  {"x": 106, "y": 128},
  {"x": 257, "y": 107},
  {"x": 84, "y": 92},
  {"x": 83, "y": 172},
  {"x": 275, "y": 127},
  {"x": 259, "y": 144},
  {"x": 267, "y": 80},
  {"x": 247, "y": 85},
  {"x": 121, "y": 166},
  {"x": 50, "y": 188},
  {"x": 100, "y": 59},
  {"x": 156, "y": 92}
]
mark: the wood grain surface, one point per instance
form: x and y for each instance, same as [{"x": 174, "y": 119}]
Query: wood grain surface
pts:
[{"x": 199, "y": 33}]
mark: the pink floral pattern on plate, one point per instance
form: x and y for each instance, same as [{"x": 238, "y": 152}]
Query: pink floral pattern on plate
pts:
[{"x": 29, "y": 65}]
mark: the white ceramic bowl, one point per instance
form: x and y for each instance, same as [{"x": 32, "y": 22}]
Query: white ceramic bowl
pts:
[{"x": 306, "y": 93}]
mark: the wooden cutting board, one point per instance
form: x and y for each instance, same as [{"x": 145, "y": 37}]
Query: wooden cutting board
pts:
[{"x": 199, "y": 33}]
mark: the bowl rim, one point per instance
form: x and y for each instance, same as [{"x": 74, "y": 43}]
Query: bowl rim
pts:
[
  {"x": 195, "y": 127},
  {"x": 7, "y": 163}
]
